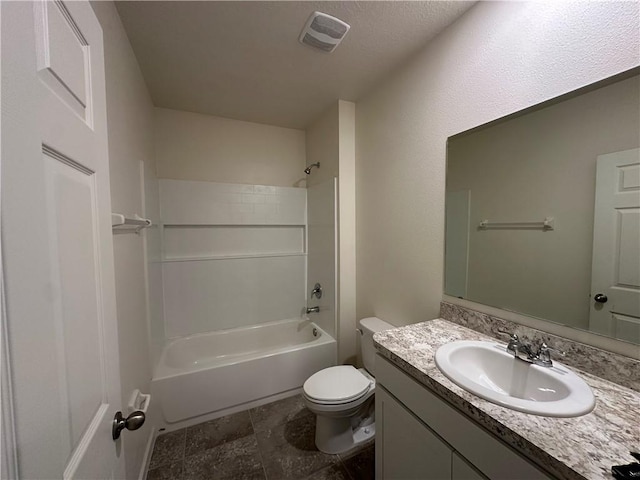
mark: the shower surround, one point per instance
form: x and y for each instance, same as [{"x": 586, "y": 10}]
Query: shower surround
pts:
[{"x": 234, "y": 267}]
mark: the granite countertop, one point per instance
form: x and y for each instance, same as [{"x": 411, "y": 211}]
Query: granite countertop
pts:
[{"x": 568, "y": 448}]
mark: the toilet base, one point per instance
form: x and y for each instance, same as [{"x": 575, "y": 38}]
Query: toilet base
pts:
[{"x": 337, "y": 435}]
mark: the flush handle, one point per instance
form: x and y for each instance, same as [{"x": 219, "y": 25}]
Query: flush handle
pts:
[
  {"x": 132, "y": 422},
  {"x": 600, "y": 298}
]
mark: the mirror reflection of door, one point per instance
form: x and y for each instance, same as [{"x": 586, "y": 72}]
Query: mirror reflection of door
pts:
[{"x": 615, "y": 279}]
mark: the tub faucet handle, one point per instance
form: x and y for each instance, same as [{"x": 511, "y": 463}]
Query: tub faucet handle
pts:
[
  {"x": 317, "y": 291},
  {"x": 313, "y": 310}
]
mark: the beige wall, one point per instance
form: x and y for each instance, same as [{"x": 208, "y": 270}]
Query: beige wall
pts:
[
  {"x": 191, "y": 146},
  {"x": 498, "y": 58},
  {"x": 537, "y": 165},
  {"x": 330, "y": 140},
  {"x": 347, "y": 347},
  {"x": 323, "y": 145},
  {"x": 130, "y": 127}
]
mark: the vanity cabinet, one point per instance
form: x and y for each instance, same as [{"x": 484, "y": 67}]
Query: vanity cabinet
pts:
[
  {"x": 421, "y": 436},
  {"x": 410, "y": 449}
]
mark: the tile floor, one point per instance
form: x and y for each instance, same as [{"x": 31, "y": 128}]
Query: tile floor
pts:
[{"x": 272, "y": 442}]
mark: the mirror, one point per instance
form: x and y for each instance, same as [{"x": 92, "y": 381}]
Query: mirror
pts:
[{"x": 543, "y": 211}]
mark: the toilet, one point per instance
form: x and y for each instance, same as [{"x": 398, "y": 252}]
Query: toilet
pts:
[{"x": 342, "y": 397}]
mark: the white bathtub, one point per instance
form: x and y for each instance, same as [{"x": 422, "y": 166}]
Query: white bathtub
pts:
[{"x": 209, "y": 372}]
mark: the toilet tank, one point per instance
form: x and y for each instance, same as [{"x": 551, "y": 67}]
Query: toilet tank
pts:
[{"x": 369, "y": 326}]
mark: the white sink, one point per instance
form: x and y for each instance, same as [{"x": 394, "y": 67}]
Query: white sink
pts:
[{"x": 486, "y": 369}]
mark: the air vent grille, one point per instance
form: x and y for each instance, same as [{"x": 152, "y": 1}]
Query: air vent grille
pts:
[{"x": 323, "y": 31}]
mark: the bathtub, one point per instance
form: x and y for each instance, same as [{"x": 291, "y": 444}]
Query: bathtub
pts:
[{"x": 210, "y": 372}]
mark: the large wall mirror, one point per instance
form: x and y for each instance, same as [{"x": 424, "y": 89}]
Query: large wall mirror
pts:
[{"x": 543, "y": 211}]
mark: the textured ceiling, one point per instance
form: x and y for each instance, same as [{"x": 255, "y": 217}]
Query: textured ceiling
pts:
[{"x": 242, "y": 59}]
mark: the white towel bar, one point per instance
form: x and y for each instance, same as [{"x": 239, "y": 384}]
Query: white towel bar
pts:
[{"x": 547, "y": 224}]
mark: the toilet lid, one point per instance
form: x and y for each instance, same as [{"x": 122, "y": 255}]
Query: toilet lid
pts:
[{"x": 336, "y": 385}]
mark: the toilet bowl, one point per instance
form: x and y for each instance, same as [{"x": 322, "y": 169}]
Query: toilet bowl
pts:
[{"x": 342, "y": 397}]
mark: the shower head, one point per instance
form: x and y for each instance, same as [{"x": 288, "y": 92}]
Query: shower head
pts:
[{"x": 308, "y": 169}]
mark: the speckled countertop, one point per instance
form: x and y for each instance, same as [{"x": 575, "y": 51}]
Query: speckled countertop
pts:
[{"x": 568, "y": 448}]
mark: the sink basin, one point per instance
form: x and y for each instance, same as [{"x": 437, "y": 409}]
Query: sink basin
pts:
[{"x": 487, "y": 370}]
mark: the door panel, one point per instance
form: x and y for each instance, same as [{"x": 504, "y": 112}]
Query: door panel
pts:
[
  {"x": 57, "y": 241},
  {"x": 462, "y": 470},
  {"x": 62, "y": 55},
  {"x": 71, "y": 218}
]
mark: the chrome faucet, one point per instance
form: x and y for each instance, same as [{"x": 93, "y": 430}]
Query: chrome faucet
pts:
[
  {"x": 520, "y": 350},
  {"x": 313, "y": 310},
  {"x": 524, "y": 352}
]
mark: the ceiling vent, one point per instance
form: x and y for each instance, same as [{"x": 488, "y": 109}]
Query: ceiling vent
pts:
[{"x": 323, "y": 31}]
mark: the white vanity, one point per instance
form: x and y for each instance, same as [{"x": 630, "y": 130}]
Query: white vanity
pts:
[
  {"x": 430, "y": 428},
  {"x": 423, "y": 437}
]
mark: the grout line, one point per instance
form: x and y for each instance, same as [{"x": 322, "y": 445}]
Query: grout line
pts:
[
  {"x": 253, "y": 427},
  {"x": 184, "y": 454},
  {"x": 184, "y": 445},
  {"x": 345, "y": 468}
]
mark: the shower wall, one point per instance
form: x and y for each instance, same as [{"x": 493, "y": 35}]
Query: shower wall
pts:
[
  {"x": 233, "y": 255},
  {"x": 321, "y": 256},
  {"x": 237, "y": 249}
]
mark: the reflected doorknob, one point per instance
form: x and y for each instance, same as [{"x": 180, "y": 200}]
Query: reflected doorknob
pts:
[
  {"x": 132, "y": 422},
  {"x": 600, "y": 298}
]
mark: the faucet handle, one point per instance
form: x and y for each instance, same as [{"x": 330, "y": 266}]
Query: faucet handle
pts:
[
  {"x": 544, "y": 354},
  {"x": 512, "y": 336},
  {"x": 546, "y": 348}
]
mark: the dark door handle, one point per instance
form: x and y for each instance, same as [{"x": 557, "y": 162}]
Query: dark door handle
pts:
[
  {"x": 132, "y": 422},
  {"x": 600, "y": 298}
]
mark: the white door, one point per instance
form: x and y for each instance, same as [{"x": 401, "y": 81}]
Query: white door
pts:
[
  {"x": 615, "y": 275},
  {"x": 57, "y": 245}
]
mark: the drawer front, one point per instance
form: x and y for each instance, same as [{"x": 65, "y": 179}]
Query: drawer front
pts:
[{"x": 488, "y": 454}]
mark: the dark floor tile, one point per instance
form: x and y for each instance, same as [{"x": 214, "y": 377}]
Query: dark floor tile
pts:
[
  {"x": 332, "y": 472},
  {"x": 216, "y": 432},
  {"x": 172, "y": 471},
  {"x": 358, "y": 449},
  {"x": 361, "y": 465},
  {"x": 289, "y": 451},
  {"x": 169, "y": 448},
  {"x": 237, "y": 459},
  {"x": 279, "y": 413}
]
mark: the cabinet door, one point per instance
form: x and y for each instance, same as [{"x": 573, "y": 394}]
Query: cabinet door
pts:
[
  {"x": 405, "y": 447},
  {"x": 462, "y": 470}
]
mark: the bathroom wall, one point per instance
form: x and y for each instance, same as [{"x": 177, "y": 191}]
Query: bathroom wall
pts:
[
  {"x": 558, "y": 262},
  {"x": 322, "y": 258},
  {"x": 323, "y": 145},
  {"x": 130, "y": 126},
  {"x": 191, "y": 146},
  {"x": 347, "y": 347},
  {"x": 233, "y": 255},
  {"x": 498, "y": 58},
  {"x": 330, "y": 140}
]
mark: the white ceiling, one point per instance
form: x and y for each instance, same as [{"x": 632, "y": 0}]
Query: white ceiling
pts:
[{"x": 242, "y": 59}]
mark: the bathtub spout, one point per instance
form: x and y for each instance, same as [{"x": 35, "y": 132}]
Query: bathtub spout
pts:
[{"x": 313, "y": 310}]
